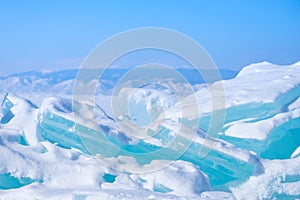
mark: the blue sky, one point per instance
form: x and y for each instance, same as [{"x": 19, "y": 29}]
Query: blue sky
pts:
[{"x": 60, "y": 34}]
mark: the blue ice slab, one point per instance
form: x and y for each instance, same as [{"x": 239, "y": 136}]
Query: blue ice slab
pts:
[
  {"x": 6, "y": 105},
  {"x": 7, "y": 181},
  {"x": 255, "y": 110},
  {"x": 110, "y": 178},
  {"x": 7, "y": 117},
  {"x": 223, "y": 170},
  {"x": 281, "y": 142}
]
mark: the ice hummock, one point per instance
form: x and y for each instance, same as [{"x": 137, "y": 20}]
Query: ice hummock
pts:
[
  {"x": 55, "y": 123},
  {"x": 258, "y": 149}
]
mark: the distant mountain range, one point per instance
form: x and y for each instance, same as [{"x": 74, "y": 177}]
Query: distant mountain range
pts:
[{"x": 62, "y": 81}]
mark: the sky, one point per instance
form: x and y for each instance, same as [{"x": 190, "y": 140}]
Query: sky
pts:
[{"x": 53, "y": 34}]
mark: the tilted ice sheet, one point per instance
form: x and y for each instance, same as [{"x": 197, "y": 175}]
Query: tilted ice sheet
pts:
[
  {"x": 56, "y": 125},
  {"x": 261, "y": 82}
]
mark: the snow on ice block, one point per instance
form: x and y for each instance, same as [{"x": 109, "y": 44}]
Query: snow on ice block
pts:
[
  {"x": 280, "y": 181},
  {"x": 95, "y": 132},
  {"x": 223, "y": 164},
  {"x": 56, "y": 123},
  {"x": 268, "y": 128},
  {"x": 20, "y": 114},
  {"x": 169, "y": 179}
]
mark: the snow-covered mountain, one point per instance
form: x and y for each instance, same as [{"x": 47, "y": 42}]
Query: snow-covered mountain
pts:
[
  {"x": 62, "y": 82},
  {"x": 59, "y": 148}
]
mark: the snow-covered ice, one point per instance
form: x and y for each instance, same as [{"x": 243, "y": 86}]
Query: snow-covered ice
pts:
[{"x": 53, "y": 147}]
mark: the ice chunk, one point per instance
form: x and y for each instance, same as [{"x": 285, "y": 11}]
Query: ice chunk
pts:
[
  {"x": 7, "y": 181},
  {"x": 56, "y": 123},
  {"x": 223, "y": 164},
  {"x": 280, "y": 181},
  {"x": 270, "y": 126},
  {"x": 20, "y": 115},
  {"x": 169, "y": 179},
  {"x": 6, "y": 105}
]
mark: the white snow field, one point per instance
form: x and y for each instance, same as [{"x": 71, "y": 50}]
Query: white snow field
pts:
[{"x": 52, "y": 147}]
